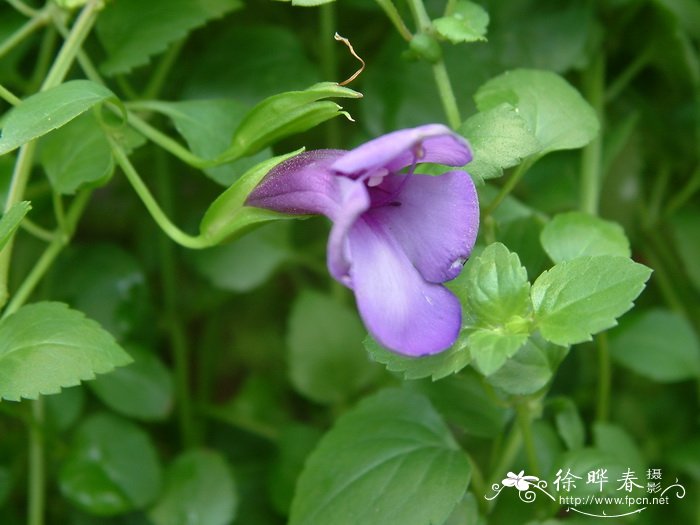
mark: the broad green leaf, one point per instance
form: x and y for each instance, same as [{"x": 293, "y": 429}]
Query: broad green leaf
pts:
[
  {"x": 47, "y": 346},
  {"x": 207, "y": 126},
  {"x": 584, "y": 296},
  {"x": 576, "y": 234},
  {"x": 132, "y": 31},
  {"x": 557, "y": 114},
  {"x": 228, "y": 215},
  {"x": 246, "y": 263},
  {"x": 467, "y": 23},
  {"x": 77, "y": 154},
  {"x": 465, "y": 402},
  {"x": 491, "y": 348},
  {"x": 530, "y": 368},
  {"x": 685, "y": 227},
  {"x": 295, "y": 443},
  {"x": 569, "y": 422},
  {"x": 11, "y": 220},
  {"x": 199, "y": 490},
  {"x": 495, "y": 291},
  {"x": 616, "y": 441},
  {"x": 112, "y": 467},
  {"x": 324, "y": 340},
  {"x": 658, "y": 344},
  {"x": 286, "y": 114},
  {"x": 500, "y": 138},
  {"x": 48, "y": 110},
  {"x": 108, "y": 284},
  {"x": 5, "y": 484},
  {"x": 687, "y": 13},
  {"x": 390, "y": 460},
  {"x": 65, "y": 408},
  {"x": 435, "y": 366},
  {"x": 143, "y": 390}
]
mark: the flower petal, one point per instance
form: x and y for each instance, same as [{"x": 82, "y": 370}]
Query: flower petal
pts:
[
  {"x": 394, "y": 151},
  {"x": 401, "y": 310},
  {"x": 434, "y": 219},
  {"x": 300, "y": 185}
]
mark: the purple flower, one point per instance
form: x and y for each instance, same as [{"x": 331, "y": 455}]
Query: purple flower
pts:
[{"x": 396, "y": 235}]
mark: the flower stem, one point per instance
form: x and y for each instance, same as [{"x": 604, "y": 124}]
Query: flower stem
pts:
[
  {"x": 393, "y": 15},
  {"x": 507, "y": 455},
  {"x": 157, "y": 80},
  {"x": 22, "y": 7},
  {"x": 591, "y": 166},
  {"x": 524, "y": 417},
  {"x": 172, "y": 231},
  {"x": 508, "y": 187},
  {"x": 447, "y": 95},
  {"x": 37, "y": 467},
  {"x": 23, "y": 32},
  {"x": 604, "y": 378},
  {"x": 8, "y": 96},
  {"x": 686, "y": 193}
]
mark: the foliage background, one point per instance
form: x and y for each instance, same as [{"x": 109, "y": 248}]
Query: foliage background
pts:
[{"x": 247, "y": 353}]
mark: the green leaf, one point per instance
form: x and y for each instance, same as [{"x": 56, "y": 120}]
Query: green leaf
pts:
[
  {"x": 47, "y": 346},
  {"x": 77, "y": 154},
  {"x": 557, "y": 114},
  {"x": 5, "y": 484},
  {"x": 11, "y": 220},
  {"x": 500, "y": 138},
  {"x": 658, "y": 344},
  {"x": 577, "y": 234},
  {"x": 569, "y": 422},
  {"x": 207, "y": 126},
  {"x": 64, "y": 409},
  {"x": 286, "y": 114},
  {"x": 228, "y": 215},
  {"x": 685, "y": 227},
  {"x": 390, "y": 460},
  {"x": 326, "y": 361},
  {"x": 143, "y": 390},
  {"x": 494, "y": 289},
  {"x": 132, "y": 31},
  {"x": 530, "y": 368},
  {"x": 584, "y": 296},
  {"x": 436, "y": 366},
  {"x": 199, "y": 490},
  {"x": 467, "y": 23},
  {"x": 48, "y": 110},
  {"x": 112, "y": 467},
  {"x": 491, "y": 348},
  {"x": 246, "y": 263},
  {"x": 615, "y": 441}
]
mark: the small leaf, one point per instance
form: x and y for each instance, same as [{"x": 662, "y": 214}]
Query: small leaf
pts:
[
  {"x": 569, "y": 422},
  {"x": 77, "y": 154},
  {"x": 390, "y": 460},
  {"x": 47, "y": 346},
  {"x": 467, "y": 23},
  {"x": 207, "y": 126},
  {"x": 11, "y": 220},
  {"x": 228, "y": 215},
  {"x": 584, "y": 296},
  {"x": 553, "y": 110},
  {"x": 685, "y": 227},
  {"x": 285, "y": 114},
  {"x": 657, "y": 344},
  {"x": 576, "y": 234},
  {"x": 246, "y": 263},
  {"x": 491, "y": 349},
  {"x": 132, "y": 31},
  {"x": 435, "y": 366},
  {"x": 500, "y": 138},
  {"x": 143, "y": 390},
  {"x": 326, "y": 361},
  {"x": 199, "y": 490},
  {"x": 48, "y": 110},
  {"x": 530, "y": 368},
  {"x": 65, "y": 408},
  {"x": 112, "y": 467}
]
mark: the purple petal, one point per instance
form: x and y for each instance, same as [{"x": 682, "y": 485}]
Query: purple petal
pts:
[
  {"x": 394, "y": 151},
  {"x": 300, "y": 185},
  {"x": 401, "y": 310},
  {"x": 434, "y": 219}
]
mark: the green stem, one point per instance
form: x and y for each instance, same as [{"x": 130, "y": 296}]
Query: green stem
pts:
[
  {"x": 45, "y": 55},
  {"x": 395, "y": 18},
  {"x": 172, "y": 231},
  {"x": 618, "y": 85},
  {"x": 174, "y": 325},
  {"x": 159, "y": 76},
  {"x": 508, "y": 187},
  {"x": 604, "y": 378},
  {"x": 447, "y": 95},
  {"x": 524, "y": 417},
  {"x": 22, "y": 7},
  {"x": 686, "y": 193},
  {"x": 591, "y": 165},
  {"x": 37, "y": 467},
  {"x": 420, "y": 15},
  {"x": 8, "y": 96},
  {"x": 59, "y": 241},
  {"x": 23, "y": 32},
  {"x": 507, "y": 456},
  {"x": 37, "y": 231}
]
